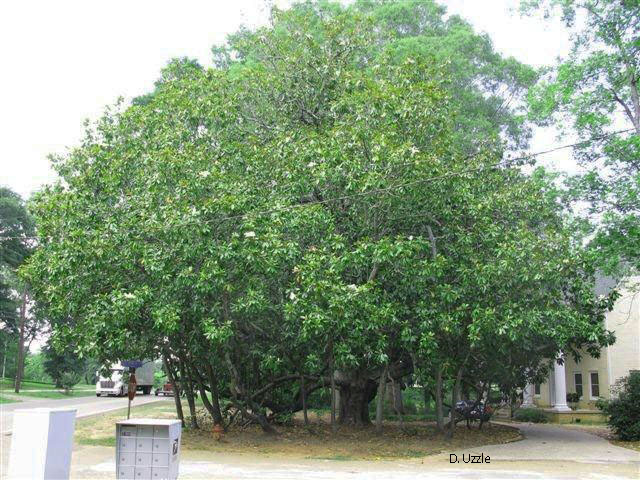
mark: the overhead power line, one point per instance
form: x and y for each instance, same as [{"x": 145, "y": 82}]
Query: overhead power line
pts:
[{"x": 503, "y": 163}]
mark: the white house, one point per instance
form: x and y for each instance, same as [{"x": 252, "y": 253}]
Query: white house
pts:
[{"x": 592, "y": 378}]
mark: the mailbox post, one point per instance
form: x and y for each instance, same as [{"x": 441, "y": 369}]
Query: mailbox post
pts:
[{"x": 133, "y": 384}]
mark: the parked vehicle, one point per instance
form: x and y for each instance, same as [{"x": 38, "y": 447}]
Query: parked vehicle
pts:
[
  {"x": 117, "y": 382},
  {"x": 166, "y": 390}
]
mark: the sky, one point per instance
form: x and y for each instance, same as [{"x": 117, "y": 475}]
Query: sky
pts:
[{"x": 64, "y": 61}]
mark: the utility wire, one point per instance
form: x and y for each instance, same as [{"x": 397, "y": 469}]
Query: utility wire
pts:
[{"x": 503, "y": 163}]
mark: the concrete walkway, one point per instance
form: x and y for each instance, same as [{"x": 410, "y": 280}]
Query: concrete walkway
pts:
[
  {"x": 547, "y": 452},
  {"x": 547, "y": 442}
]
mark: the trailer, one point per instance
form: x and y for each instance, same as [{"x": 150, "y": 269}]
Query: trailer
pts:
[{"x": 115, "y": 383}]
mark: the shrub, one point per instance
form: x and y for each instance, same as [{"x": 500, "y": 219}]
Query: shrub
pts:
[
  {"x": 573, "y": 397},
  {"x": 68, "y": 380},
  {"x": 533, "y": 415},
  {"x": 623, "y": 410}
]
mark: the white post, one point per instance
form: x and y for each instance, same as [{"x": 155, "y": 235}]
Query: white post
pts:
[
  {"x": 560, "y": 388},
  {"x": 527, "y": 396}
]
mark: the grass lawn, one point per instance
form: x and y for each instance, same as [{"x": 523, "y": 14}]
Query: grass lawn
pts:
[
  {"x": 56, "y": 394},
  {"x": 33, "y": 389},
  {"x": 7, "y": 400},
  {"x": 295, "y": 440},
  {"x": 7, "y": 384}
]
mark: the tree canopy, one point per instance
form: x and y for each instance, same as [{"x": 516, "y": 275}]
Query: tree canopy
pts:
[{"x": 312, "y": 208}]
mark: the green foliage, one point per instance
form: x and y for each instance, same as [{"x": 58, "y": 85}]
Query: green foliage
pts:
[
  {"x": 533, "y": 415},
  {"x": 593, "y": 94},
  {"x": 573, "y": 397},
  {"x": 16, "y": 226},
  {"x": 159, "y": 379},
  {"x": 413, "y": 400},
  {"x": 623, "y": 409},
  {"x": 310, "y": 203},
  {"x": 69, "y": 379},
  {"x": 9, "y": 349},
  {"x": 63, "y": 366},
  {"x": 34, "y": 368}
]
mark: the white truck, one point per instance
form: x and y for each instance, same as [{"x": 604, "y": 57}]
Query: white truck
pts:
[{"x": 117, "y": 384}]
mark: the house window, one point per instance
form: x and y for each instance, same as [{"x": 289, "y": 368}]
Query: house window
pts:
[
  {"x": 595, "y": 385},
  {"x": 577, "y": 377},
  {"x": 536, "y": 389}
]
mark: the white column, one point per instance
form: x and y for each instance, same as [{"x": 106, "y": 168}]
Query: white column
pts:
[
  {"x": 560, "y": 388},
  {"x": 527, "y": 396}
]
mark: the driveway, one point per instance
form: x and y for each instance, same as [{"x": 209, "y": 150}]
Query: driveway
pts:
[
  {"x": 547, "y": 442},
  {"x": 547, "y": 452}
]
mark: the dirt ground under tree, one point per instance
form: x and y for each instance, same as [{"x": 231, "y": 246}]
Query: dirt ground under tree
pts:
[{"x": 415, "y": 439}]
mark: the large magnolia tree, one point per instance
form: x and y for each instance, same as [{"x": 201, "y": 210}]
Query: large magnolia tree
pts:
[{"x": 306, "y": 215}]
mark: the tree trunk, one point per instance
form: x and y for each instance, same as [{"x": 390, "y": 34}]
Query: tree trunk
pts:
[
  {"x": 426, "y": 394},
  {"x": 176, "y": 388},
  {"x": 396, "y": 407},
  {"x": 333, "y": 388},
  {"x": 215, "y": 396},
  {"x": 382, "y": 385},
  {"x": 355, "y": 396},
  {"x": 20, "y": 359},
  {"x": 188, "y": 388},
  {"x": 303, "y": 392},
  {"x": 398, "y": 402},
  {"x": 439, "y": 409},
  {"x": 205, "y": 398},
  {"x": 454, "y": 400},
  {"x": 240, "y": 395}
]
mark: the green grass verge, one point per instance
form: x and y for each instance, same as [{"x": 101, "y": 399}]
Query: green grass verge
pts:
[
  {"x": 7, "y": 384},
  {"x": 7, "y": 400},
  {"x": 99, "y": 430},
  {"x": 55, "y": 394}
]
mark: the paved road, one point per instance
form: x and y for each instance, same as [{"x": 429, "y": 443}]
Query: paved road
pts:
[
  {"x": 85, "y": 406},
  {"x": 548, "y": 452}
]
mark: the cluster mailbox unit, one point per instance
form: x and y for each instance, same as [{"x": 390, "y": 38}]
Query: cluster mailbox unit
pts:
[{"x": 148, "y": 448}]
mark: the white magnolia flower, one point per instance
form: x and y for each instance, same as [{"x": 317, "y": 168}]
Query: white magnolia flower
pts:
[
  {"x": 129, "y": 295},
  {"x": 311, "y": 164},
  {"x": 292, "y": 296},
  {"x": 249, "y": 234},
  {"x": 410, "y": 237},
  {"x": 204, "y": 174},
  {"x": 352, "y": 286}
]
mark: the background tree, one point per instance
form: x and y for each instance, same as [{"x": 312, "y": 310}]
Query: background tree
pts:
[
  {"x": 64, "y": 366},
  {"x": 594, "y": 94},
  {"x": 34, "y": 368},
  {"x": 16, "y": 244}
]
